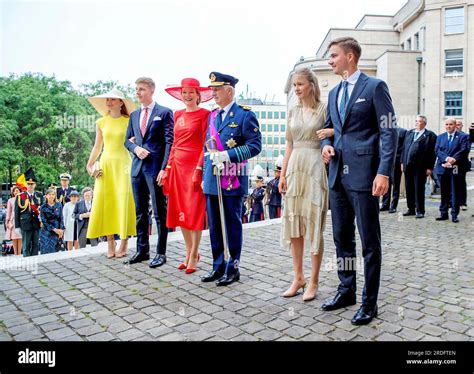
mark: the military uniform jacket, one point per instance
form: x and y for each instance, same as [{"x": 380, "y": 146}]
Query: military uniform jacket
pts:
[
  {"x": 241, "y": 138},
  {"x": 275, "y": 195},
  {"x": 63, "y": 195},
  {"x": 26, "y": 213}
]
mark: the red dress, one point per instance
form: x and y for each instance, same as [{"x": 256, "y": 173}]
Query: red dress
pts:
[{"x": 186, "y": 207}]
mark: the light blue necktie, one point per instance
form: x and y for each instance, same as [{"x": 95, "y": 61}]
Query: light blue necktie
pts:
[{"x": 344, "y": 100}]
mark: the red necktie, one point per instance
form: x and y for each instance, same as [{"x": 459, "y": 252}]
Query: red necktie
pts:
[{"x": 144, "y": 122}]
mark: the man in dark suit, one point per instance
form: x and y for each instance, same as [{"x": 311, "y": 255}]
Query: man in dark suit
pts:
[
  {"x": 27, "y": 216},
  {"x": 82, "y": 213},
  {"x": 361, "y": 158},
  {"x": 396, "y": 178},
  {"x": 274, "y": 203},
  {"x": 151, "y": 128},
  {"x": 452, "y": 148},
  {"x": 465, "y": 164},
  {"x": 418, "y": 158}
]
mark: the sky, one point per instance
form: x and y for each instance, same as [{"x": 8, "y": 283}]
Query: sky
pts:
[{"x": 257, "y": 41}]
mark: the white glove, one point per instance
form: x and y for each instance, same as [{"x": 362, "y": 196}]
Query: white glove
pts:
[{"x": 218, "y": 159}]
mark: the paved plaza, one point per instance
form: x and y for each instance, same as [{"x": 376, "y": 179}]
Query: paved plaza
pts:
[{"x": 427, "y": 291}]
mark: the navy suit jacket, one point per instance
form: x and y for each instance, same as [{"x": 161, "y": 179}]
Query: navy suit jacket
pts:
[
  {"x": 158, "y": 140},
  {"x": 366, "y": 143},
  {"x": 241, "y": 126},
  {"x": 459, "y": 150},
  {"x": 419, "y": 154}
]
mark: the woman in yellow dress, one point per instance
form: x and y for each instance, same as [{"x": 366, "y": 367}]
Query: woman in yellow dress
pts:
[{"x": 113, "y": 207}]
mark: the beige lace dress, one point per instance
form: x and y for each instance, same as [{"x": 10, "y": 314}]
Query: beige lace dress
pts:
[{"x": 306, "y": 198}]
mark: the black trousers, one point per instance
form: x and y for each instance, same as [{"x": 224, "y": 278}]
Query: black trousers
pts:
[
  {"x": 451, "y": 185},
  {"x": 390, "y": 199},
  {"x": 144, "y": 186},
  {"x": 361, "y": 206},
  {"x": 30, "y": 242},
  {"x": 462, "y": 197},
  {"x": 415, "y": 180}
]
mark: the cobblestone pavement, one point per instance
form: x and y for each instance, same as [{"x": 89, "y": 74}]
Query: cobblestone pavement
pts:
[{"x": 427, "y": 292}]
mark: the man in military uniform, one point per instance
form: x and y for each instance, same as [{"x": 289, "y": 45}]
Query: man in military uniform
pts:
[
  {"x": 257, "y": 196},
  {"x": 274, "y": 202},
  {"x": 234, "y": 130},
  {"x": 27, "y": 216},
  {"x": 63, "y": 192}
]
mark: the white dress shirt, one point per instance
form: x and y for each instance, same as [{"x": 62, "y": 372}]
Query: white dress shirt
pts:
[
  {"x": 351, "y": 82},
  {"x": 142, "y": 112},
  {"x": 226, "y": 110}
]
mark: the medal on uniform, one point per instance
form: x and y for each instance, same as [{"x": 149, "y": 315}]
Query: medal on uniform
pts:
[
  {"x": 233, "y": 125},
  {"x": 231, "y": 143}
]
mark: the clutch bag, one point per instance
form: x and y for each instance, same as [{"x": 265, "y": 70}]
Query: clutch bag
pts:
[{"x": 97, "y": 171}]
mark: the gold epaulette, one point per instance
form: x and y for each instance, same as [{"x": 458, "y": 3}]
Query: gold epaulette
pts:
[{"x": 245, "y": 107}]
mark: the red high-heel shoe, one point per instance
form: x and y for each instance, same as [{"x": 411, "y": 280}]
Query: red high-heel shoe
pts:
[
  {"x": 182, "y": 266},
  {"x": 192, "y": 270}
]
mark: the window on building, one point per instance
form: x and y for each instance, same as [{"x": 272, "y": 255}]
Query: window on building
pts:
[
  {"x": 264, "y": 140},
  {"x": 270, "y": 115},
  {"x": 276, "y": 140},
  {"x": 282, "y": 140},
  {"x": 416, "y": 42},
  {"x": 283, "y": 115},
  {"x": 454, "y": 20},
  {"x": 282, "y": 128},
  {"x": 270, "y": 127},
  {"x": 402, "y": 46},
  {"x": 276, "y": 152},
  {"x": 454, "y": 61},
  {"x": 263, "y": 127},
  {"x": 453, "y": 104},
  {"x": 408, "y": 45},
  {"x": 264, "y": 115},
  {"x": 276, "y": 115},
  {"x": 269, "y": 153},
  {"x": 276, "y": 127},
  {"x": 270, "y": 140},
  {"x": 257, "y": 114}
]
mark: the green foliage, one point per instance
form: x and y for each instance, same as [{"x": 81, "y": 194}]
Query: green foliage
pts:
[{"x": 48, "y": 125}]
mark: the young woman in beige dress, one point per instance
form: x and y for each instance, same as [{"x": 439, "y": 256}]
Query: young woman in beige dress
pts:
[{"x": 303, "y": 183}]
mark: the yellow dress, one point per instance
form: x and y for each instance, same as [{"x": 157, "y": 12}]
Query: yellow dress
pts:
[{"x": 113, "y": 207}]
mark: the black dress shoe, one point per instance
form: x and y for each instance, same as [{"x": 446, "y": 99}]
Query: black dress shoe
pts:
[
  {"x": 442, "y": 218},
  {"x": 339, "y": 301},
  {"x": 137, "y": 257},
  {"x": 159, "y": 260},
  {"x": 212, "y": 276},
  {"x": 409, "y": 213},
  {"x": 392, "y": 210},
  {"x": 228, "y": 279},
  {"x": 364, "y": 315},
  {"x": 455, "y": 219},
  {"x": 420, "y": 215},
  {"x": 384, "y": 209}
]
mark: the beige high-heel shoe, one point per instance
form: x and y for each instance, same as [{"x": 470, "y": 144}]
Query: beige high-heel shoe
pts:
[
  {"x": 292, "y": 293},
  {"x": 122, "y": 252},
  {"x": 309, "y": 296}
]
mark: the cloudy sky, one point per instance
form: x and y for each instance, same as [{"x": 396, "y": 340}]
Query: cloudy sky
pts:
[{"x": 258, "y": 41}]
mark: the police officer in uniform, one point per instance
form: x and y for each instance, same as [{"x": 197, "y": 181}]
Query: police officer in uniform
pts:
[
  {"x": 235, "y": 135},
  {"x": 63, "y": 192},
  {"x": 274, "y": 202},
  {"x": 27, "y": 216},
  {"x": 257, "y": 201}
]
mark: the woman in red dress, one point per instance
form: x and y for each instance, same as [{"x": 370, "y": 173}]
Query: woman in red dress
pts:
[{"x": 183, "y": 176}]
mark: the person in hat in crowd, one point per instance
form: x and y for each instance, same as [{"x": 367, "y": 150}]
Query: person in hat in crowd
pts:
[
  {"x": 52, "y": 225},
  {"x": 82, "y": 214},
  {"x": 149, "y": 137},
  {"x": 233, "y": 137},
  {"x": 11, "y": 233},
  {"x": 257, "y": 195},
  {"x": 27, "y": 221},
  {"x": 452, "y": 148},
  {"x": 183, "y": 174},
  {"x": 63, "y": 192},
  {"x": 465, "y": 164},
  {"x": 113, "y": 209},
  {"x": 70, "y": 223},
  {"x": 303, "y": 182},
  {"x": 274, "y": 199}
]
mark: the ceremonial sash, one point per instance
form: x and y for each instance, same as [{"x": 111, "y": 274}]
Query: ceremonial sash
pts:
[{"x": 228, "y": 182}]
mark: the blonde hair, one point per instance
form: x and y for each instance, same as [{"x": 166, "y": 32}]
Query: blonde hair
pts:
[
  {"x": 315, "y": 97},
  {"x": 148, "y": 81}
]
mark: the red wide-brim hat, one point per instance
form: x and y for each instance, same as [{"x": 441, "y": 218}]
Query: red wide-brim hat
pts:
[{"x": 206, "y": 92}]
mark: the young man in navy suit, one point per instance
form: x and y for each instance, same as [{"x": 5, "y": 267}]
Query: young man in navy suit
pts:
[
  {"x": 361, "y": 158},
  {"x": 149, "y": 137},
  {"x": 452, "y": 148}
]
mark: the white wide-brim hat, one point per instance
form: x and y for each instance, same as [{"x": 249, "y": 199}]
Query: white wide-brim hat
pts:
[{"x": 99, "y": 102}]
